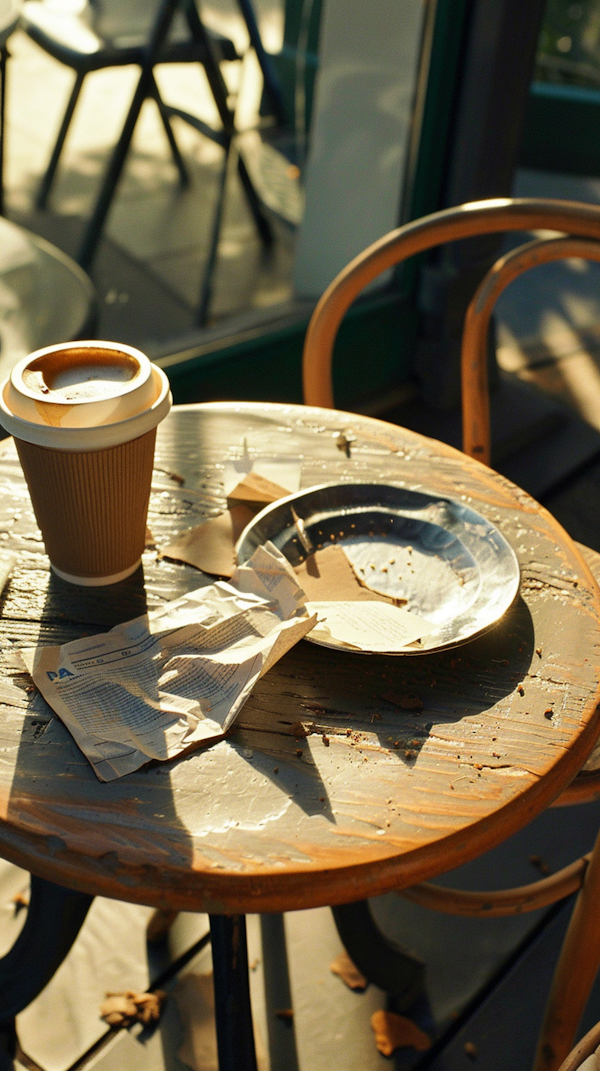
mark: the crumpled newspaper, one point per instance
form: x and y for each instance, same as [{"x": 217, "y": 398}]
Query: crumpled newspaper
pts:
[{"x": 177, "y": 677}]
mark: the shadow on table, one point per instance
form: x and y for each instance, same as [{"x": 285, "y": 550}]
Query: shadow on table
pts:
[
  {"x": 98, "y": 607},
  {"x": 376, "y": 709},
  {"x": 123, "y": 838}
]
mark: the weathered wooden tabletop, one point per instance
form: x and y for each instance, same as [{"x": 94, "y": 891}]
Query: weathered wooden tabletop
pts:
[{"x": 377, "y": 796}]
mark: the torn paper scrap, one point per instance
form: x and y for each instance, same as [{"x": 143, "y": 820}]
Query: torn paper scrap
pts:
[
  {"x": 284, "y": 472},
  {"x": 328, "y": 576},
  {"x": 211, "y": 546},
  {"x": 367, "y": 626},
  {"x": 383, "y": 566},
  {"x": 178, "y": 677},
  {"x": 256, "y": 492}
]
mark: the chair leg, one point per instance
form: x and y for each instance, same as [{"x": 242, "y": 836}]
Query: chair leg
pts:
[
  {"x": 381, "y": 960},
  {"x": 219, "y": 92},
  {"x": 575, "y": 973},
  {"x": 46, "y": 185},
  {"x": 54, "y": 918},
  {"x": 262, "y": 224},
  {"x": 206, "y": 289},
  {"x": 143, "y": 90},
  {"x": 93, "y": 231},
  {"x": 269, "y": 72},
  {"x": 184, "y": 177}
]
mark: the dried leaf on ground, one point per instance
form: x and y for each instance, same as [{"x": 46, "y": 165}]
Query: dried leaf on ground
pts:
[
  {"x": 123, "y": 1009},
  {"x": 394, "y": 1031},
  {"x": 348, "y": 972}
]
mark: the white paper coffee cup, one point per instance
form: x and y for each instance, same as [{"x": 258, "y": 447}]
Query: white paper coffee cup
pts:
[{"x": 84, "y": 418}]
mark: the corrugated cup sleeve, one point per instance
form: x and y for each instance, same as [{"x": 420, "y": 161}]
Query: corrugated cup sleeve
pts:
[{"x": 91, "y": 506}]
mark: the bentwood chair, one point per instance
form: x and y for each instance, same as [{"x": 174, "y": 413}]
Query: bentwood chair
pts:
[
  {"x": 586, "y": 1055},
  {"x": 580, "y": 223}
]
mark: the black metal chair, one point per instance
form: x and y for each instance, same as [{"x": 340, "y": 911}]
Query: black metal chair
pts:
[
  {"x": 146, "y": 34},
  {"x": 112, "y": 33}
]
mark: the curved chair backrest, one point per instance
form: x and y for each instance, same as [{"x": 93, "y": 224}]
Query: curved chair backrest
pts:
[
  {"x": 479, "y": 217},
  {"x": 583, "y": 1052}
]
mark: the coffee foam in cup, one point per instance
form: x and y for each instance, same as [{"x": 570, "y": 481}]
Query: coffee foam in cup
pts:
[
  {"x": 80, "y": 375},
  {"x": 80, "y": 385},
  {"x": 83, "y": 396}
]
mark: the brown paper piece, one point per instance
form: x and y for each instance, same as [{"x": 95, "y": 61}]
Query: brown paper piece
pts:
[
  {"x": 211, "y": 546},
  {"x": 327, "y": 576},
  {"x": 348, "y": 972},
  {"x": 396, "y": 1032},
  {"x": 333, "y": 589},
  {"x": 363, "y": 580},
  {"x": 256, "y": 492}
]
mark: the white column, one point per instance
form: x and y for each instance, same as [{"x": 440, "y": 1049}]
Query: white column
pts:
[{"x": 368, "y": 59}]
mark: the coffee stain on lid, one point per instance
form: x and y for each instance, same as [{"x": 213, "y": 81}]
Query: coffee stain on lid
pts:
[{"x": 53, "y": 413}]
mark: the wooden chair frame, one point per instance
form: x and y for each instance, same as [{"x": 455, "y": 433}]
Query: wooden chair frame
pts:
[
  {"x": 582, "y": 1050},
  {"x": 580, "y": 955}
]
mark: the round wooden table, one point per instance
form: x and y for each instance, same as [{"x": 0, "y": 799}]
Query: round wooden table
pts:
[{"x": 376, "y": 797}]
